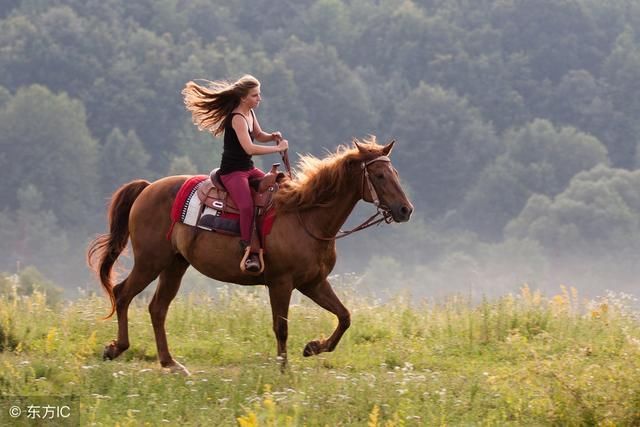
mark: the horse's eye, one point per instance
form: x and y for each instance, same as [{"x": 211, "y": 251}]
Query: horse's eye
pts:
[{"x": 379, "y": 176}]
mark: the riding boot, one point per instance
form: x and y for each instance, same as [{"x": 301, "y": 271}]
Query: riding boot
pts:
[{"x": 252, "y": 263}]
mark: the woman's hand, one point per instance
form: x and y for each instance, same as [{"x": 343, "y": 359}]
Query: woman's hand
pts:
[
  {"x": 283, "y": 145},
  {"x": 276, "y": 136}
]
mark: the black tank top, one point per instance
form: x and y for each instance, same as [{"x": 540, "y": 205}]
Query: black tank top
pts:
[{"x": 234, "y": 158}]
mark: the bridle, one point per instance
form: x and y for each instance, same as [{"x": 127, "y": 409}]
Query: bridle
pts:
[{"x": 382, "y": 210}]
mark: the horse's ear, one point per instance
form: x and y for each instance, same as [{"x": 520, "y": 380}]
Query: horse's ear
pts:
[
  {"x": 360, "y": 147},
  {"x": 387, "y": 149}
]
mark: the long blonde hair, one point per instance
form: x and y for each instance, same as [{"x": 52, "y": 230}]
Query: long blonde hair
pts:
[{"x": 210, "y": 105}]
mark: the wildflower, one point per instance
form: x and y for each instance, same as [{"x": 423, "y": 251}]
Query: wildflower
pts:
[
  {"x": 50, "y": 345},
  {"x": 373, "y": 416}
]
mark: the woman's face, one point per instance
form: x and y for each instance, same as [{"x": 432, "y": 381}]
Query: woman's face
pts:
[{"x": 253, "y": 98}]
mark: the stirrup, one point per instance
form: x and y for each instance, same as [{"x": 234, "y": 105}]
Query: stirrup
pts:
[{"x": 252, "y": 263}]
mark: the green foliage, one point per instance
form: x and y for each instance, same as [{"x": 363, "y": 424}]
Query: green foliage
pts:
[
  {"x": 30, "y": 281},
  {"x": 444, "y": 146},
  {"x": 31, "y": 234},
  {"x": 5, "y": 96},
  {"x": 123, "y": 159},
  {"x": 521, "y": 359},
  {"x": 596, "y": 215},
  {"x": 45, "y": 143},
  {"x": 539, "y": 159},
  {"x": 182, "y": 165},
  {"x": 492, "y": 103},
  {"x": 324, "y": 79},
  {"x": 27, "y": 282},
  {"x": 546, "y": 32}
]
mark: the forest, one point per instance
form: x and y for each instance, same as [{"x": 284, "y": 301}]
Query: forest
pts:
[{"x": 517, "y": 125}]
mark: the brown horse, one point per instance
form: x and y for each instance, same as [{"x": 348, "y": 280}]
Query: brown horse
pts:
[{"x": 300, "y": 251}]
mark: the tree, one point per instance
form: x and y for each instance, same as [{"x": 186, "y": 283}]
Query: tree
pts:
[
  {"x": 556, "y": 36},
  {"x": 5, "y": 96},
  {"x": 54, "y": 48},
  {"x": 122, "y": 159},
  {"x": 7, "y": 7},
  {"x": 32, "y": 235},
  {"x": 328, "y": 22},
  {"x": 488, "y": 81},
  {"x": 539, "y": 158},
  {"x": 332, "y": 94},
  {"x": 46, "y": 142},
  {"x": 622, "y": 70},
  {"x": 586, "y": 103},
  {"x": 400, "y": 35},
  {"x": 182, "y": 165},
  {"x": 282, "y": 107},
  {"x": 443, "y": 146},
  {"x": 598, "y": 214}
]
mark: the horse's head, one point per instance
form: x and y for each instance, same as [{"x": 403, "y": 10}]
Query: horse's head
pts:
[{"x": 381, "y": 182}]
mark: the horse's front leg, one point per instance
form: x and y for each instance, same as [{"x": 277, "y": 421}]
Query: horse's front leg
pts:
[
  {"x": 280, "y": 296},
  {"x": 323, "y": 295}
]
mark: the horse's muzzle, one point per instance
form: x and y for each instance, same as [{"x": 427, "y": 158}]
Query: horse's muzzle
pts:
[{"x": 401, "y": 212}]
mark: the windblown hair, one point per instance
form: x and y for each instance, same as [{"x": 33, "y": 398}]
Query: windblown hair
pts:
[
  {"x": 318, "y": 180},
  {"x": 212, "y": 104}
]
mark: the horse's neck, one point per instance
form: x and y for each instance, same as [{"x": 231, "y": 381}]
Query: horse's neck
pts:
[{"x": 327, "y": 220}]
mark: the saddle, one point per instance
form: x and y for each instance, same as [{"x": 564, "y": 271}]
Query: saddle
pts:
[{"x": 213, "y": 194}]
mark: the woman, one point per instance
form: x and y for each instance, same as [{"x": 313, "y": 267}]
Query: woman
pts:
[{"x": 223, "y": 107}]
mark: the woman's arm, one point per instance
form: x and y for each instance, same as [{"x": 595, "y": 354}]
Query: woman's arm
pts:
[
  {"x": 262, "y": 136},
  {"x": 242, "y": 130}
]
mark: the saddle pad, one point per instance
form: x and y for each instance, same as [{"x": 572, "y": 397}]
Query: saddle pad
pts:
[
  {"x": 185, "y": 194},
  {"x": 187, "y": 207}
]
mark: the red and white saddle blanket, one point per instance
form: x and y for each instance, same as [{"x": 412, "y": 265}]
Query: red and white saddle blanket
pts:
[{"x": 188, "y": 209}]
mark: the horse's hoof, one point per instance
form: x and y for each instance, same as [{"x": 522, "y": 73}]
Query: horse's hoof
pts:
[
  {"x": 311, "y": 349},
  {"x": 109, "y": 352},
  {"x": 283, "y": 363},
  {"x": 176, "y": 368}
]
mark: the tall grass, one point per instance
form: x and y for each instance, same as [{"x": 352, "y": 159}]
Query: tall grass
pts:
[{"x": 522, "y": 359}]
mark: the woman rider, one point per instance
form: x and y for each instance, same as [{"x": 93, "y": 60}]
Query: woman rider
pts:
[{"x": 224, "y": 107}]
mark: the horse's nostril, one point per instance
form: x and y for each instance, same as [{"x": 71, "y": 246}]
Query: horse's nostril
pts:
[{"x": 404, "y": 210}]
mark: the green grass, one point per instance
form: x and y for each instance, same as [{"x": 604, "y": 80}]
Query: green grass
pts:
[{"x": 517, "y": 360}]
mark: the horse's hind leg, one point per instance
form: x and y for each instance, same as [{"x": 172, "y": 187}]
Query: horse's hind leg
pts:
[
  {"x": 139, "y": 278},
  {"x": 168, "y": 286},
  {"x": 323, "y": 295}
]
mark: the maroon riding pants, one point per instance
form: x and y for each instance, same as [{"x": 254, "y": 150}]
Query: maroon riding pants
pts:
[{"x": 237, "y": 184}]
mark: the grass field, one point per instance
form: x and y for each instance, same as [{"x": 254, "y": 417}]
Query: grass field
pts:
[{"x": 522, "y": 359}]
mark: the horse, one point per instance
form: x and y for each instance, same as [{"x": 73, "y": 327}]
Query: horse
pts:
[{"x": 300, "y": 250}]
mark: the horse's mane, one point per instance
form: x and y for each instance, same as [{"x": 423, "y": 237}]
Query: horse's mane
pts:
[{"x": 318, "y": 180}]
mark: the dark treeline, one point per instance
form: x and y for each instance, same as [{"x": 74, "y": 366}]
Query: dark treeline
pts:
[{"x": 517, "y": 122}]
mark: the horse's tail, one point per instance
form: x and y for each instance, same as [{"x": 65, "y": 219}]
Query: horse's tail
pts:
[{"x": 106, "y": 248}]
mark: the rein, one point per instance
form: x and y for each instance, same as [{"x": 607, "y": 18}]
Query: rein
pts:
[
  {"x": 371, "y": 221},
  {"x": 285, "y": 161}
]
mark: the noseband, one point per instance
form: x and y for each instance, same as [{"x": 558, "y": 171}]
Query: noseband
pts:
[{"x": 381, "y": 209}]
